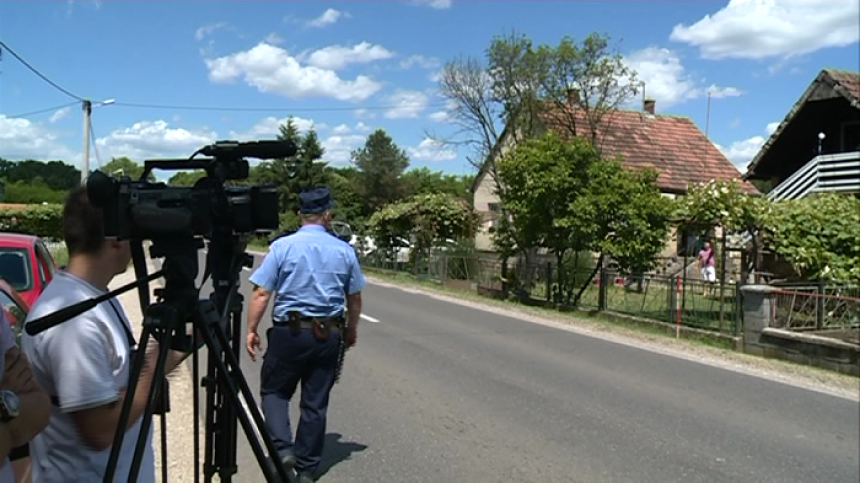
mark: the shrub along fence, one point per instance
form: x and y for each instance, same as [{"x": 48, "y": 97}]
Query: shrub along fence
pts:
[{"x": 675, "y": 300}]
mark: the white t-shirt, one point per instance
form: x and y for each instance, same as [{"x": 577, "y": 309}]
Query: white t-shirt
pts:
[
  {"x": 7, "y": 341},
  {"x": 84, "y": 362}
]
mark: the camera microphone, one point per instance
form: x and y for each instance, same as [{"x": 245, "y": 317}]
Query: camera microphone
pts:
[{"x": 252, "y": 149}]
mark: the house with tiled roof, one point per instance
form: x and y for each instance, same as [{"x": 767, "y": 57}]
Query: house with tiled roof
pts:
[
  {"x": 816, "y": 147},
  {"x": 673, "y": 145}
]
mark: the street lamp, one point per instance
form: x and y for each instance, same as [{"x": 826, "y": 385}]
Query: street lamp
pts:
[
  {"x": 87, "y": 106},
  {"x": 821, "y": 137}
]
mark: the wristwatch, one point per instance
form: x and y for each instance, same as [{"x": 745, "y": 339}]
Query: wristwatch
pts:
[{"x": 8, "y": 405}]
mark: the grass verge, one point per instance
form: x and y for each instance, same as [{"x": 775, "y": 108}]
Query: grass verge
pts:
[{"x": 600, "y": 321}]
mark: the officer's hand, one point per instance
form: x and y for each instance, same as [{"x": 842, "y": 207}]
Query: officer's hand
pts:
[
  {"x": 253, "y": 343},
  {"x": 351, "y": 338}
]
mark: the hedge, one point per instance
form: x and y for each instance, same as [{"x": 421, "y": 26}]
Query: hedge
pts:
[{"x": 45, "y": 221}]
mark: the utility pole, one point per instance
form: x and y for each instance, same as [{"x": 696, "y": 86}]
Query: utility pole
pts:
[{"x": 85, "y": 162}]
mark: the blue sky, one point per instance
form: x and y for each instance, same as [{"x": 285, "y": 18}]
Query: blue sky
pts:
[{"x": 345, "y": 66}]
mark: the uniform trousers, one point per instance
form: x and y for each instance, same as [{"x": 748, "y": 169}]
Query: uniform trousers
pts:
[{"x": 291, "y": 359}]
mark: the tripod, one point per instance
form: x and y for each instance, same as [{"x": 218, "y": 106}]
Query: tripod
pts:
[{"x": 166, "y": 321}]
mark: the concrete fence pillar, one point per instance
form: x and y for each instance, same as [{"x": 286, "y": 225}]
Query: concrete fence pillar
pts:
[{"x": 759, "y": 306}]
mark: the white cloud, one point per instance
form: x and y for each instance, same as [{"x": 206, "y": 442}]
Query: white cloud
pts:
[
  {"x": 338, "y": 146},
  {"x": 364, "y": 114},
  {"x": 341, "y": 129},
  {"x": 209, "y": 29},
  {"x": 273, "y": 70},
  {"x": 742, "y": 152},
  {"x": 666, "y": 79},
  {"x": 406, "y": 104},
  {"x": 431, "y": 150},
  {"x": 270, "y": 127},
  {"x": 329, "y": 17},
  {"x": 61, "y": 113},
  {"x": 436, "y": 4},
  {"x": 338, "y": 149},
  {"x": 336, "y": 57},
  {"x": 444, "y": 115},
  {"x": 153, "y": 139},
  {"x": 274, "y": 39},
  {"x": 757, "y": 29},
  {"x": 421, "y": 61},
  {"x": 22, "y": 138}
]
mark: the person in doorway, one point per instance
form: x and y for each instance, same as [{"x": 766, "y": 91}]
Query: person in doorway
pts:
[
  {"x": 707, "y": 267},
  {"x": 314, "y": 278}
]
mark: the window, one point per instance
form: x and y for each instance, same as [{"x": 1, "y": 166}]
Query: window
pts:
[
  {"x": 494, "y": 207},
  {"x": 16, "y": 269},
  {"x": 851, "y": 136},
  {"x": 46, "y": 262}
]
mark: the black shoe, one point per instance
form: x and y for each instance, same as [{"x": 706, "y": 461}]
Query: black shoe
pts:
[{"x": 288, "y": 459}]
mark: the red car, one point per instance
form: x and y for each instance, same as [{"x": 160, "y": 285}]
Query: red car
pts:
[{"x": 25, "y": 264}]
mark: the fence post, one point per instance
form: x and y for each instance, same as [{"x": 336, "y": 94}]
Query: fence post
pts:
[
  {"x": 505, "y": 277},
  {"x": 819, "y": 306},
  {"x": 443, "y": 272},
  {"x": 549, "y": 282},
  {"x": 601, "y": 290},
  {"x": 672, "y": 303}
]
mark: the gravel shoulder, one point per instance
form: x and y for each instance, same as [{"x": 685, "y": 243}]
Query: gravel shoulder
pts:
[
  {"x": 807, "y": 377},
  {"x": 180, "y": 419}
]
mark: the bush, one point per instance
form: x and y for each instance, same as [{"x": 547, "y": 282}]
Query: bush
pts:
[{"x": 45, "y": 221}]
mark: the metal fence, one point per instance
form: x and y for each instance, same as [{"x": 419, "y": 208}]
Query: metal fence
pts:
[
  {"x": 817, "y": 308},
  {"x": 676, "y": 300}
]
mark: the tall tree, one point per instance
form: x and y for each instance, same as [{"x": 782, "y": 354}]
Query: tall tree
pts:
[
  {"x": 294, "y": 174},
  {"x": 526, "y": 89},
  {"x": 380, "y": 164},
  {"x": 564, "y": 197}
]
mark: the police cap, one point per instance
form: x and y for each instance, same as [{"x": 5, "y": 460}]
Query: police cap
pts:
[{"x": 315, "y": 200}]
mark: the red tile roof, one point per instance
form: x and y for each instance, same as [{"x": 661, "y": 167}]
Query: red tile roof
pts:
[
  {"x": 850, "y": 81},
  {"x": 673, "y": 145}
]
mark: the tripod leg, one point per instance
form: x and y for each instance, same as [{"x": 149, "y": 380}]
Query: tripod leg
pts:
[
  {"x": 122, "y": 424},
  {"x": 229, "y": 379},
  {"x": 158, "y": 374}
]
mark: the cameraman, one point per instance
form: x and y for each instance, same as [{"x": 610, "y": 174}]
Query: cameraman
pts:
[
  {"x": 84, "y": 362},
  {"x": 24, "y": 406},
  {"x": 312, "y": 274}
]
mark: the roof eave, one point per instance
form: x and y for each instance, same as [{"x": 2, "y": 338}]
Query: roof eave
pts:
[{"x": 823, "y": 76}]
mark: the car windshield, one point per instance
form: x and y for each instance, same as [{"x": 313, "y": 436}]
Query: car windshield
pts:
[{"x": 15, "y": 268}]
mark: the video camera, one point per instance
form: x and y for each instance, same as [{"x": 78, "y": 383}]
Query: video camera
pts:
[{"x": 140, "y": 209}]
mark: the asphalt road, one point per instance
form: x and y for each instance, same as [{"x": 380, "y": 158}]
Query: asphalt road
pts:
[{"x": 440, "y": 392}]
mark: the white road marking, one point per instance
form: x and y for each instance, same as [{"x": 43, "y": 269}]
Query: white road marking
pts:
[{"x": 369, "y": 318}]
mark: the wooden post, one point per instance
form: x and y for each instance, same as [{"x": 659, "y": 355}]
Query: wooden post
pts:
[{"x": 722, "y": 280}]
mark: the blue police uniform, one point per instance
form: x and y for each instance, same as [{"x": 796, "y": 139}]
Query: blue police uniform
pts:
[{"x": 309, "y": 273}]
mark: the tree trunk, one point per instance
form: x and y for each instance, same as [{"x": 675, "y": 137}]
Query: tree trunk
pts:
[{"x": 585, "y": 285}]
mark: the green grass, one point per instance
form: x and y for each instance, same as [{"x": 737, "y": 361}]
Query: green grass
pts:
[{"x": 604, "y": 320}]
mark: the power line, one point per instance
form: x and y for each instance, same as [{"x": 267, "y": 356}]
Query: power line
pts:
[
  {"x": 279, "y": 109},
  {"x": 40, "y": 111},
  {"x": 36, "y": 71}
]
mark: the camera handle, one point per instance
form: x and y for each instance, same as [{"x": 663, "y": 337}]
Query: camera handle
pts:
[{"x": 166, "y": 322}]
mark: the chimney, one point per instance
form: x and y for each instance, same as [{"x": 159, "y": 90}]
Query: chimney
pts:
[
  {"x": 573, "y": 96},
  {"x": 648, "y": 106}
]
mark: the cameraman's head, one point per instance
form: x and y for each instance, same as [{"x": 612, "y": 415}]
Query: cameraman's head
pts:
[
  {"x": 89, "y": 250},
  {"x": 314, "y": 205}
]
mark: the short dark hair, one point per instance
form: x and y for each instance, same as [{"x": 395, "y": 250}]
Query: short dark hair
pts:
[{"x": 83, "y": 224}]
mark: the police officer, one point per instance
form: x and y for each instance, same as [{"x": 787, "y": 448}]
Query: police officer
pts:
[{"x": 311, "y": 275}]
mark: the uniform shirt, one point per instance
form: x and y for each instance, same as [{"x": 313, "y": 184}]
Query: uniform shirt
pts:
[
  {"x": 310, "y": 272},
  {"x": 84, "y": 362},
  {"x": 7, "y": 342}
]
